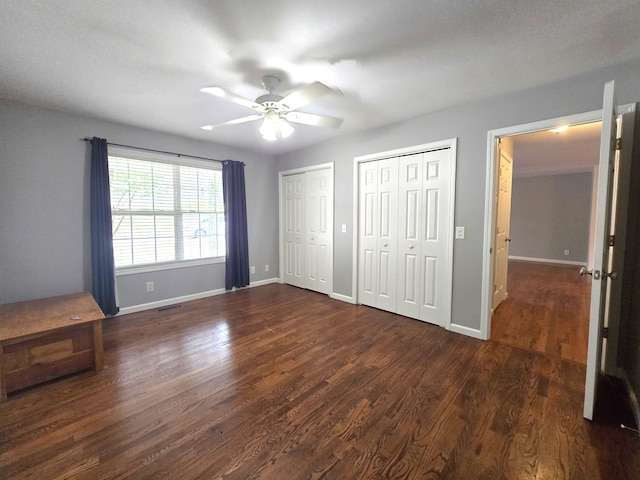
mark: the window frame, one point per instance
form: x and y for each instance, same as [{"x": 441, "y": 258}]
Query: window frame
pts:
[{"x": 157, "y": 157}]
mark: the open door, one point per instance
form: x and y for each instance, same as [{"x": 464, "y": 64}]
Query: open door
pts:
[
  {"x": 602, "y": 249},
  {"x": 503, "y": 219}
]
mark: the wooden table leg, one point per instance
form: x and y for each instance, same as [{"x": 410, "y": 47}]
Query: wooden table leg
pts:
[{"x": 98, "y": 347}]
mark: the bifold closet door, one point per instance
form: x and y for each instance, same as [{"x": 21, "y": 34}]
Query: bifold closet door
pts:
[
  {"x": 409, "y": 234},
  {"x": 405, "y": 232},
  {"x": 437, "y": 232},
  {"x": 293, "y": 229},
  {"x": 319, "y": 230},
  {"x": 377, "y": 264}
]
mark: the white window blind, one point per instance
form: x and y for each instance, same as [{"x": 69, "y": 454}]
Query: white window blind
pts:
[{"x": 165, "y": 212}]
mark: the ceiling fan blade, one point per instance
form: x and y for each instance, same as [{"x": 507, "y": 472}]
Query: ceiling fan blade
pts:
[
  {"x": 304, "y": 95},
  {"x": 245, "y": 102},
  {"x": 312, "y": 119},
  {"x": 249, "y": 118}
]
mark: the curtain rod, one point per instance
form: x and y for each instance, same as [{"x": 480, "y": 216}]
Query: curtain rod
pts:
[{"x": 85, "y": 139}]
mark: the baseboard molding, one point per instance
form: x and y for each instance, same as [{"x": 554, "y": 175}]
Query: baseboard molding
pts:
[
  {"x": 547, "y": 260},
  {"x": 469, "y": 332},
  {"x": 633, "y": 399},
  {"x": 187, "y": 298},
  {"x": 343, "y": 298}
]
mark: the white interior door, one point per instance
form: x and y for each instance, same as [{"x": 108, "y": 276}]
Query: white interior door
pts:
[
  {"x": 505, "y": 173},
  {"x": 409, "y": 234},
  {"x": 368, "y": 232},
  {"x": 601, "y": 250},
  {"x": 437, "y": 230},
  {"x": 319, "y": 230},
  {"x": 387, "y": 220},
  {"x": 293, "y": 229},
  {"x": 405, "y": 231},
  {"x": 378, "y": 220},
  {"x": 311, "y": 203}
]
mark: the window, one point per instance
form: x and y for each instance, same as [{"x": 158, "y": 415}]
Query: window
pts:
[{"x": 165, "y": 210}]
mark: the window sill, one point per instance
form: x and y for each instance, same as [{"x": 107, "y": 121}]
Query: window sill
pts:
[{"x": 120, "y": 272}]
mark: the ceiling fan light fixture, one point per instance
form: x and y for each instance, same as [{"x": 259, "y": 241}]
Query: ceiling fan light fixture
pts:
[{"x": 275, "y": 127}]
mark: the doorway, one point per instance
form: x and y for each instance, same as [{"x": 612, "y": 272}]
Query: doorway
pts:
[
  {"x": 490, "y": 200},
  {"x": 545, "y": 197}
]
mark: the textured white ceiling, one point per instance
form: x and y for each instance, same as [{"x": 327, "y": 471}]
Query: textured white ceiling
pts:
[
  {"x": 142, "y": 62},
  {"x": 577, "y": 149}
]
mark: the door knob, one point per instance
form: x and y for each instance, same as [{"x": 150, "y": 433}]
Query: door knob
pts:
[
  {"x": 584, "y": 271},
  {"x": 385, "y": 244},
  {"x": 507, "y": 239},
  {"x": 410, "y": 247}
]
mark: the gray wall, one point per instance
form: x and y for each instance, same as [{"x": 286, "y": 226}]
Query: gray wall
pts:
[
  {"x": 44, "y": 207},
  {"x": 551, "y": 214},
  {"x": 470, "y": 124}
]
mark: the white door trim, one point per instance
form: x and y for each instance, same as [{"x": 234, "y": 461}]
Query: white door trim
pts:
[
  {"x": 451, "y": 143},
  {"x": 295, "y": 171},
  {"x": 490, "y": 185}
]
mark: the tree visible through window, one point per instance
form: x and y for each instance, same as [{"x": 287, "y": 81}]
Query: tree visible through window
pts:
[{"x": 165, "y": 212}]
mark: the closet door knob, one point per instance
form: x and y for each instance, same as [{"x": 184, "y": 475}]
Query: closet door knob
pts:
[
  {"x": 410, "y": 247},
  {"x": 385, "y": 244}
]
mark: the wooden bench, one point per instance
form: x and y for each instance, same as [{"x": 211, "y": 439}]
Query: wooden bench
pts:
[{"x": 48, "y": 338}]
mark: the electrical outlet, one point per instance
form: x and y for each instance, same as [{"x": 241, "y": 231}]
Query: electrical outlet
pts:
[
  {"x": 149, "y": 286},
  {"x": 460, "y": 233},
  {"x": 566, "y": 252},
  {"x": 253, "y": 269},
  {"x": 266, "y": 268}
]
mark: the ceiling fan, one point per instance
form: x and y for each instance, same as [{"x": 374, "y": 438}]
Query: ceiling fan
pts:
[{"x": 278, "y": 111}]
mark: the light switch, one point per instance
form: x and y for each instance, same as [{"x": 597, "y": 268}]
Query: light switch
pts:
[
  {"x": 459, "y": 233},
  {"x": 344, "y": 228}
]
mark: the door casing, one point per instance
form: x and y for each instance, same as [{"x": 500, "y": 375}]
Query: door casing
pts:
[
  {"x": 490, "y": 214},
  {"x": 628, "y": 111}
]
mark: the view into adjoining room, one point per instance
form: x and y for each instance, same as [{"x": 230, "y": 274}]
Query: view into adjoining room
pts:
[{"x": 550, "y": 237}]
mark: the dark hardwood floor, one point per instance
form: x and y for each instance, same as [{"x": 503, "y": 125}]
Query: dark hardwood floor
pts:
[
  {"x": 275, "y": 382},
  {"x": 547, "y": 310}
]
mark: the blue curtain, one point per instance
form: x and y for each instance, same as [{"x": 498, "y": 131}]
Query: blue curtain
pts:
[
  {"x": 235, "y": 217},
  {"x": 102, "y": 264}
]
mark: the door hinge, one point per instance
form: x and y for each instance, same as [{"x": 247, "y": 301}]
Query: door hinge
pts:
[
  {"x": 612, "y": 240},
  {"x": 618, "y": 143},
  {"x": 605, "y": 332}
]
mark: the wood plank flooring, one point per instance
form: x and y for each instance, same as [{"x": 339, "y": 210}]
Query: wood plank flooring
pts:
[
  {"x": 547, "y": 310},
  {"x": 275, "y": 382}
]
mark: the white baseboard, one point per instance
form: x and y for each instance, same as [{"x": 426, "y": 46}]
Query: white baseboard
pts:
[
  {"x": 187, "y": 298},
  {"x": 547, "y": 260},
  {"x": 469, "y": 332},
  {"x": 343, "y": 298}
]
